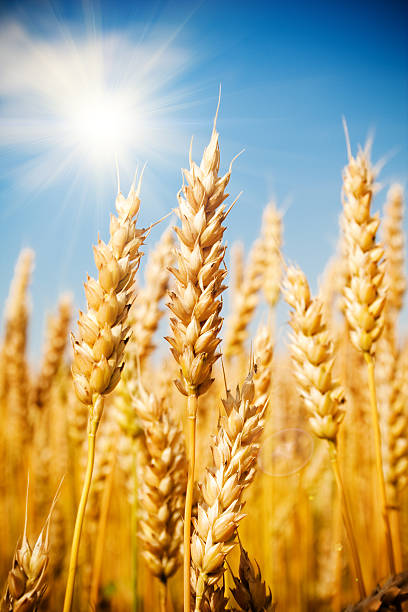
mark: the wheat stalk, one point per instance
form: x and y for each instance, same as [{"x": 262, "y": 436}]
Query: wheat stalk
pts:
[
  {"x": 313, "y": 360},
  {"x": 103, "y": 334},
  {"x": 365, "y": 296},
  {"x": 195, "y": 301}
]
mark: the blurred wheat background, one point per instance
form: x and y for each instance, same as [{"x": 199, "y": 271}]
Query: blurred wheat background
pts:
[{"x": 220, "y": 420}]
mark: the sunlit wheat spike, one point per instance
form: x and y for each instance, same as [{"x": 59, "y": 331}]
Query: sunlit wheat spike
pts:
[
  {"x": 393, "y": 237},
  {"x": 312, "y": 356},
  {"x": 272, "y": 239},
  {"x": 146, "y": 313},
  {"x": 245, "y": 303},
  {"x": 163, "y": 478},
  {"x": 397, "y": 427},
  {"x": 103, "y": 330},
  {"x": 237, "y": 270},
  {"x": 263, "y": 355},
  {"x": 365, "y": 294},
  {"x": 56, "y": 340},
  {"x": 195, "y": 301},
  {"x": 235, "y": 451},
  {"x": 27, "y": 580},
  {"x": 16, "y": 379}
]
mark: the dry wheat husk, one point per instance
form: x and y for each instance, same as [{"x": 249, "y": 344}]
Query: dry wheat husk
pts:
[{"x": 250, "y": 592}]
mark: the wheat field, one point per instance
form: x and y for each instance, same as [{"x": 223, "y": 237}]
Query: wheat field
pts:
[{"x": 212, "y": 469}]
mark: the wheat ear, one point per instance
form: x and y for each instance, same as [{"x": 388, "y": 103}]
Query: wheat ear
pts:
[
  {"x": 27, "y": 580},
  {"x": 263, "y": 353},
  {"x": 245, "y": 303},
  {"x": 195, "y": 301},
  {"x": 365, "y": 296},
  {"x": 146, "y": 313},
  {"x": 17, "y": 381},
  {"x": 162, "y": 488},
  {"x": 393, "y": 238},
  {"x": 272, "y": 239},
  {"x": 103, "y": 334},
  {"x": 313, "y": 360},
  {"x": 235, "y": 451},
  {"x": 56, "y": 340}
]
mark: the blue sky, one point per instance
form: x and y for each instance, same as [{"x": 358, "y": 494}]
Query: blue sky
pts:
[{"x": 289, "y": 71}]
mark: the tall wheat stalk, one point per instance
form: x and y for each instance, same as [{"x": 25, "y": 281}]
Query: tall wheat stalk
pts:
[
  {"x": 103, "y": 334},
  {"x": 313, "y": 359},
  {"x": 365, "y": 294},
  {"x": 195, "y": 301}
]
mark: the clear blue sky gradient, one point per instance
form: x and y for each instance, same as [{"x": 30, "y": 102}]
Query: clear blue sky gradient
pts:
[{"x": 289, "y": 71}]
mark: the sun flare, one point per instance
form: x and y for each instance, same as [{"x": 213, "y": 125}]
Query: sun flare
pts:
[
  {"x": 75, "y": 102},
  {"x": 101, "y": 124}
]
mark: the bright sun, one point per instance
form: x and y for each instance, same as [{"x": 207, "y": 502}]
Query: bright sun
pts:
[
  {"x": 101, "y": 124},
  {"x": 74, "y": 103}
]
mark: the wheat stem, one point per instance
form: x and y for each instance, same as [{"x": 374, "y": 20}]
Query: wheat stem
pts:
[
  {"x": 100, "y": 538},
  {"x": 73, "y": 561},
  {"x": 346, "y": 518},
  {"x": 163, "y": 596},
  {"x": 134, "y": 536},
  {"x": 191, "y": 435},
  {"x": 378, "y": 458},
  {"x": 396, "y": 533}
]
